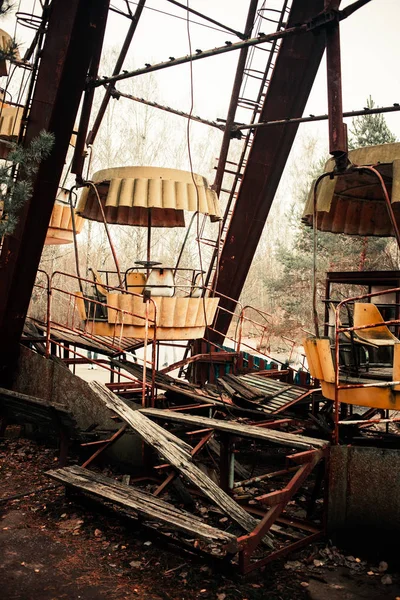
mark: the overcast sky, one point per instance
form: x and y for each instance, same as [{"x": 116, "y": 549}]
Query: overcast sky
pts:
[
  {"x": 370, "y": 49},
  {"x": 369, "y": 57}
]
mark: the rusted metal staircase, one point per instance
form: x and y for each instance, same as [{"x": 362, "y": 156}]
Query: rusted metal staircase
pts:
[{"x": 259, "y": 67}]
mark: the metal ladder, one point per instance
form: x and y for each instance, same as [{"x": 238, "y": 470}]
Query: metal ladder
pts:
[{"x": 278, "y": 17}]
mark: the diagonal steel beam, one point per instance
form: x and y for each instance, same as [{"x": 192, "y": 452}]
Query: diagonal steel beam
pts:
[
  {"x": 74, "y": 30},
  {"x": 295, "y": 69}
]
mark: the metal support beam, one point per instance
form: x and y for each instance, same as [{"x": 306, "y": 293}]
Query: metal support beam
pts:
[
  {"x": 65, "y": 60},
  {"x": 337, "y": 129},
  {"x": 314, "y": 22},
  {"x": 237, "y": 84},
  {"x": 209, "y": 19},
  {"x": 312, "y": 118},
  {"x": 117, "y": 70},
  {"x": 295, "y": 69}
]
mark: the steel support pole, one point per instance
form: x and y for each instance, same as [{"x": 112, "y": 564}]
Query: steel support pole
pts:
[
  {"x": 65, "y": 60},
  {"x": 337, "y": 129}
]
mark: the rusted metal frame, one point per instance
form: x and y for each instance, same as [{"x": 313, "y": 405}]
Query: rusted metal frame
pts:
[
  {"x": 61, "y": 78},
  {"x": 370, "y": 325},
  {"x": 106, "y": 444},
  {"x": 200, "y": 445},
  {"x": 337, "y": 130},
  {"x": 124, "y": 386},
  {"x": 79, "y": 155},
  {"x": 48, "y": 308},
  {"x": 118, "y": 94},
  {"x": 312, "y": 118},
  {"x": 237, "y": 85},
  {"x": 301, "y": 458},
  {"x": 338, "y": 330},
  {"x": 261, "y": 39},
  {"x": 246, "y": 566},
  {"x": 117, "y": 69},
  {"x": 81, "y": 361},
  {"x": 242, "y": 318},
  {"x": 191, "y": 407},
  {"x": 263, "y": 477},
  {"x": 250, "y": 542},
  {"x": 103, "y": 216},
  {"x": 212, "y": 357},
  {"x": 295, "y": 401},
  {"x": 37, "y": 43},
  {"x": 197, "y": 431},
  {"x": 295, "y": 69},
  {"x": 187, "y": 9},
  {"x": 92, "y": 361},
  {"x": 214, "y": 262},
  {"x": 170, "y": 477}
]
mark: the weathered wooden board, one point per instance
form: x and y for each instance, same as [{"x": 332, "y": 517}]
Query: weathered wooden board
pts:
[
  {"x": 169, "y": 447},
  {"x": 282, "y": 438},
  {"x": 145, "y": 505}
]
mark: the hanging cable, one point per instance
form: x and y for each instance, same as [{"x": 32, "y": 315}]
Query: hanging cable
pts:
[
  {"x": 196, "y": 187},
  {"x": 90, "y": 183},
  {"x": 78, "y": 273}
]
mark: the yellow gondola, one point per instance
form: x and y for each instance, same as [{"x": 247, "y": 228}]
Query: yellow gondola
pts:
[{"x": 148, "y": 197}]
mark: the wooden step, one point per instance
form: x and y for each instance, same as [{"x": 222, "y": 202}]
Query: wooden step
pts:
[{"x": 144, "y": 504}]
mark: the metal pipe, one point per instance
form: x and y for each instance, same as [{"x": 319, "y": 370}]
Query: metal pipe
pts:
[
  {"x": 313, "y": 118},
  {"x": 117, "y": 94},
  {"x": 200, "y": 54},
  {"x": 78, "y": 158},
  {"x": 117, "y": 69},
  {"x": 311, "y": 25},
  {"x": 337, "y": 129},
  {"x": 199, "y": 14},
  {"x": 107, "y": 231},
  {"x": 387, "y": 201},
  {"x": 237, "y": 84}
]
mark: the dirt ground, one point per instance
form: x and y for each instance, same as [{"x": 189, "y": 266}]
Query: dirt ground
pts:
[{"x": 52, "y": 548}]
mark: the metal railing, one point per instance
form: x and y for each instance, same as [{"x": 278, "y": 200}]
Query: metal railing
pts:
[
  {"x": 341, "y": 329},
  {"x": 71, "y": 321}
]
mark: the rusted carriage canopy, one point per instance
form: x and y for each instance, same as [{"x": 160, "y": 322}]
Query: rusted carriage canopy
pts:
[
  {"x": 354, "y": 203},
  {"x": 128, "y": 194}
]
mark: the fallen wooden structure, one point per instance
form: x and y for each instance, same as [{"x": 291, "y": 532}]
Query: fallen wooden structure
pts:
[
  {"x": 54, "y": 418},
  {"x": 253, "y": 532},
  {"x": 145, "y": 505}
]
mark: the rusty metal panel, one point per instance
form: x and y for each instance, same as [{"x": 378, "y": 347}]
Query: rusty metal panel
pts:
[
  {"x": 291, "y": 82},
  {"x": 74, "y": 28},
  {"x": 357, "y": 510}
]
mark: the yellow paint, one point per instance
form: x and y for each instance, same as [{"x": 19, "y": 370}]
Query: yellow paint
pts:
[
  {"x": 367, "y": 314},
  {"x": 321, "y": 365}
]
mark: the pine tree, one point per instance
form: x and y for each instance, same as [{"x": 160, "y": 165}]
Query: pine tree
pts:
[
  {"x": 15, "y": 191},
  {"x": 369, "y": 130},
  {"x": 10, "y": 52},
  {"x": 335, "y": 252}
]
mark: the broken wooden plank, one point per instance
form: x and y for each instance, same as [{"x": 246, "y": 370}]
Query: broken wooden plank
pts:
[
  {"x": 145, "y": 505},
  {"x": 168, "y": 447},
  {"x": 242, "y": 388},
  {"x": 276, "y": 437}
]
